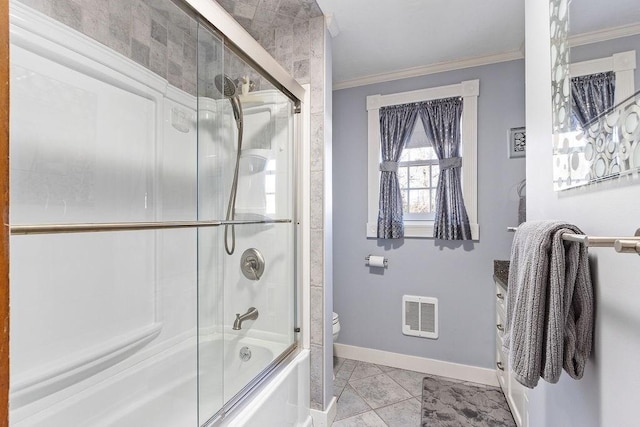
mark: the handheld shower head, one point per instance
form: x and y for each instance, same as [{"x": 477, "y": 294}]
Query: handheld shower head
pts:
[{"x": 227, "y": 87}]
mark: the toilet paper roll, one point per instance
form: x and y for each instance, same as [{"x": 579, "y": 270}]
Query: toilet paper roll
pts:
[{"x": 376, "y": 261}]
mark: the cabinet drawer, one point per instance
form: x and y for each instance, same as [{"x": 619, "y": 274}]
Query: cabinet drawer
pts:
[
  {"x": 501, "y": 366},
  {"x": 500, "y": 322},
  {"x": 501, "y": 298}
]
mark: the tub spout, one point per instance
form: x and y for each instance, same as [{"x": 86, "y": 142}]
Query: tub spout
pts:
[{"x": 251, "y": 314}]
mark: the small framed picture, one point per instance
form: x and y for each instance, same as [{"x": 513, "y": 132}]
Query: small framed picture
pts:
[{"x": 517, "y": 142}]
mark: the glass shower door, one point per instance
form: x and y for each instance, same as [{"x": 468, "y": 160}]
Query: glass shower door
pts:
[
  {"x": 104, "y": 156},
  {"x": 246, "y": 266},
  {"x": 126, "y": 175},
  {"x": 212, "y": 158}
]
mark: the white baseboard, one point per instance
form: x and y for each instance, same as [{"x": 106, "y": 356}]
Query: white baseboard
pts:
[
  {"x": 418, "y": 364},
  {"x": 325, "y": 418}
]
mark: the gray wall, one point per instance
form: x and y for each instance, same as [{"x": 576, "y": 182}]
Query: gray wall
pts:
[
  {"x": 607, "y": 395},
  {"x": 459, "y": 275}
]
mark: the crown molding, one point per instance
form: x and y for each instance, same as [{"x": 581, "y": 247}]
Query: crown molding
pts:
[
  {"x": 438, "y": 67},
  {"x": 604, "y": 35}
]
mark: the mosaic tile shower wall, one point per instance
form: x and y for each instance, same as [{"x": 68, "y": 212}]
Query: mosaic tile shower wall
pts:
[
  {"x": 155, "y": 34},
  {"x": 281, "y": 27}
]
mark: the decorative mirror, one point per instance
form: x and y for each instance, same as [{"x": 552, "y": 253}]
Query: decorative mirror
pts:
[{"x": 596, "y": 109}]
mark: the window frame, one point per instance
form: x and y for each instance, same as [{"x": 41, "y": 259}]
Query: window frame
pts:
[
  {"x": 417, "y": 163},
  {"x": 469, "y": 91},
  {"x": 623, "y": 64}
]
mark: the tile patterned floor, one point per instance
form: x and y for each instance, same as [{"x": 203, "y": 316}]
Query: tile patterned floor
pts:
[{"x": 374, "y": 395}]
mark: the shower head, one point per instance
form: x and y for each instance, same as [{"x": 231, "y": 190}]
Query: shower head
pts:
[{"x": 225, "y": 85}]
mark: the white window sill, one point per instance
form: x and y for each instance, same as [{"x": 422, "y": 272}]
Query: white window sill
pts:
[{"x": 418, "y": 229}]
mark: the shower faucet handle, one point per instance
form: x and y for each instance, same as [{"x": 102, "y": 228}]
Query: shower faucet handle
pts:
[{"x": 252, "y": 264}]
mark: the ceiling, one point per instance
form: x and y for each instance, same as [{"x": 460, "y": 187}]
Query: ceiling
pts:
[
  {"x": 382, "y": 39},
  {"x": 385, "y": 36}
]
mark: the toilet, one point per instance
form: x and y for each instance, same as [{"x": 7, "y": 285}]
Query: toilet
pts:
[{"x": 336, "y": 326}]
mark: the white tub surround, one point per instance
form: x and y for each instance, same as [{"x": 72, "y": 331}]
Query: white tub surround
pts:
[
  {"x": 74, "y": 96},
  {"x": 283, "y": 401},
  {"x": 115, "y": 340}
]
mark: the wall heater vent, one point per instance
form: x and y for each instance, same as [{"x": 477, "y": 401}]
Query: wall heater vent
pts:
[{"x": 420, "y": 316}]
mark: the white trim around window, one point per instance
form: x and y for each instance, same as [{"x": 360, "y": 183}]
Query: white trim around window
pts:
[
  {"x": 623, "y": 64},
  {"x": 469, "y": 91}
]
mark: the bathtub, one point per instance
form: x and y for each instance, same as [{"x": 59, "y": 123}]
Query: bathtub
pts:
[{"x": 163, "y": 390}]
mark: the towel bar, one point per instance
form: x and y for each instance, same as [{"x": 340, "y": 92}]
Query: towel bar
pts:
[{"x": 627, "y": 244}]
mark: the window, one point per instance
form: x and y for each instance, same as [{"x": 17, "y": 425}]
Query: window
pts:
[
  {"x": 572, "y": 149},
  {"x": 623, "y": 64},
  {"x": 418, "y": 169},
  {"x": 418, "y": 172}
]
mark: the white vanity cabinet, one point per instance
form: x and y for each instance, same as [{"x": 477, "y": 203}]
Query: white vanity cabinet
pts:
[{"x": 514, "y": 391}]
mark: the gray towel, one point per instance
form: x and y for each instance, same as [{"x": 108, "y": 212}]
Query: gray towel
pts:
[{"x": 549, "y": 322}]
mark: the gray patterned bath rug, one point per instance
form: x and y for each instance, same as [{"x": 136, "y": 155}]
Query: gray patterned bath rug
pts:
[{"x": 459, "y": 404}]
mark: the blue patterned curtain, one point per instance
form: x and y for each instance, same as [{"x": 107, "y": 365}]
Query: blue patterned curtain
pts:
[
  {"x": 396, "y": 125},
  {"x": 592, "y": 96},
  {"x": 441, "y": 120}
]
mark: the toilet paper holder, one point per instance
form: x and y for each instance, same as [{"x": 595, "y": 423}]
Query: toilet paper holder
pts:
[{"x": 385, "y": 260}]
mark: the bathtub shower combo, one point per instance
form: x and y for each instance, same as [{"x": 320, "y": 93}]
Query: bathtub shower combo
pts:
[{"x": 153, "y": 247}]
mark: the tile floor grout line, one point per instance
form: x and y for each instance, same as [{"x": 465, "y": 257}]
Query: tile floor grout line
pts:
[
  {"x": 362, "y": 397},
  {"x": 356, "y": 392},
  {"x": 400, "y": 385},
  {"x": 371, "y": 409},
  {"x": 395, "y": 403}
]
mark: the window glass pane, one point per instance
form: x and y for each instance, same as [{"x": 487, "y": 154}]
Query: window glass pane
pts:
[
  {"x": 431, "y": 154},
  {"x": 419, "y": 153},
  {"x": 405, "y": 205},
  {"x": 419, "y": 201},
  {"x": 406, "y": 153},
  {"x": 416, "y": 154},
  {"x": 435, "y": 174},
  {"x": 402, "y": 177},
  {"x": 419, "y": 176}
]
